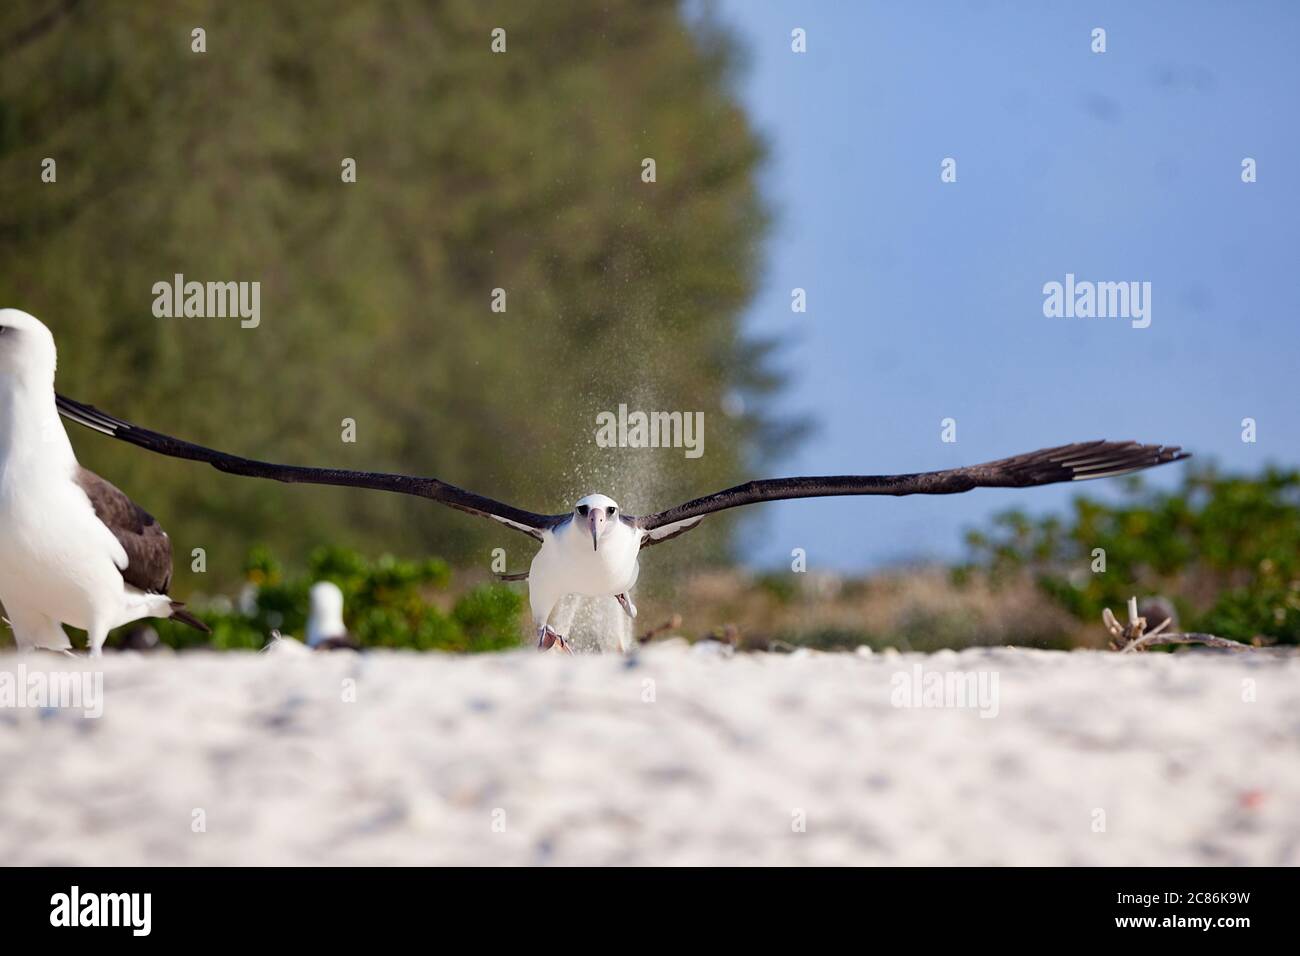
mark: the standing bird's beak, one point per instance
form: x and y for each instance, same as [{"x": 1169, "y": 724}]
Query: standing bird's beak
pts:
[{"x": 595, "y": 518}]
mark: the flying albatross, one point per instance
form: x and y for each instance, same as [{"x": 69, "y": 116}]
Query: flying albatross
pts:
[
  {"x": 593, "y": 549},
  {"x": 73, "y": 548}
]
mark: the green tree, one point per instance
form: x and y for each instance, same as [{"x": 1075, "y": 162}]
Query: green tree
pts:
[{"x": 476, "y": 171}]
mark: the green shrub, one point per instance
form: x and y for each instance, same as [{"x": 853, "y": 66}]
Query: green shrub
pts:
[
  {"x": 385, "y": 605},
  {"x": 1225, "y": 549}
]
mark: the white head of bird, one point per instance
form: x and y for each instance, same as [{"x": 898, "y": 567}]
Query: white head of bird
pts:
[
  {"x": 27, "y": 352},
  {"x": 29, "y": 423},
  {"x": 597, "y": 514}
]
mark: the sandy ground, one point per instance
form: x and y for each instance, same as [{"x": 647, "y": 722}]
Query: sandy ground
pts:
[{"x": 674, "y": 757}]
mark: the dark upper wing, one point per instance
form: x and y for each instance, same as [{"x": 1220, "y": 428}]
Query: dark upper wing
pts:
[
  {"x": 1077, "y": 462},
  {"x": 148, "y": 549},
  {"x": 525, "y": 521}
]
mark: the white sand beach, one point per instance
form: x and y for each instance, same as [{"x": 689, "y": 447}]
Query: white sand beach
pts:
[{"x": 678, "y": 756}]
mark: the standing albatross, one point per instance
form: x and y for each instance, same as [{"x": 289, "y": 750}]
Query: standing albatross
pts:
[
  {"x": 73, "y": 548},
  {"x": 593, "y": 549}
]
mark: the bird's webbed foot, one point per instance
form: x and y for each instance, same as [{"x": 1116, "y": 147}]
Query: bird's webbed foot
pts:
[
  {"x": 628, "y": 606},
  {"x": 547, "y": 637}
]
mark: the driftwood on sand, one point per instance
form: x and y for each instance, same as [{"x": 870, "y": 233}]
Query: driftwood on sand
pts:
[
  {"x": 672, "y": 624},
  {"x": 1131, "y": 637}
]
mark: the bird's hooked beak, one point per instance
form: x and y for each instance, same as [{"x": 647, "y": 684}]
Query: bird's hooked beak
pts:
[{"x": 595, "y": 519}]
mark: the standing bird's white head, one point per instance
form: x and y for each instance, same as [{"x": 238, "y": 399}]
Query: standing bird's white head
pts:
[
  {"x": 27, "y": 352},
  {"x": 596, "y": 513},
  {"x": 29, "y": 423}
]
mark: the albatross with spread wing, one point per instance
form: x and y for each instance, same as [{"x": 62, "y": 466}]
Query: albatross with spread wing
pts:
[{"x": 593, "y": 550}]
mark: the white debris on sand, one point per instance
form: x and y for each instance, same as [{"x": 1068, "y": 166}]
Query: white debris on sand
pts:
[{"x": 675, "y": 758}]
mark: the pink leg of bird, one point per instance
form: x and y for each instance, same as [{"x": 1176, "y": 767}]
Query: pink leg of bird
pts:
[
  {"x": 548, "y": 636},
  {"x": 628, "y": 606}
]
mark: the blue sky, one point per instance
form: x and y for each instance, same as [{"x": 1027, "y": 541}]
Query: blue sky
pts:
[{"x": 925, "y": 298}]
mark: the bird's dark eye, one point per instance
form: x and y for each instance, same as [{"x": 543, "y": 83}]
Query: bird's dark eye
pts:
[
  {"x": 610, "y": 512},
  {"x": 582, "y": 510}
]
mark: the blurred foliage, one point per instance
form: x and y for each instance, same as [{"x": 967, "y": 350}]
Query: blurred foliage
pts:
[
  {"x": 1225, "y": 550},
  {"x": 385, "y": 605},
  {"x": 779, "y": 586},
  {"x": 475, "y": 171}
]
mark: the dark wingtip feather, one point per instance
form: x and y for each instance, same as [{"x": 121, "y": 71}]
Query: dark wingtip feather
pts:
[
  {"x": 1083, "y": 461},
  {"x": 1113, "y": 459}
]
